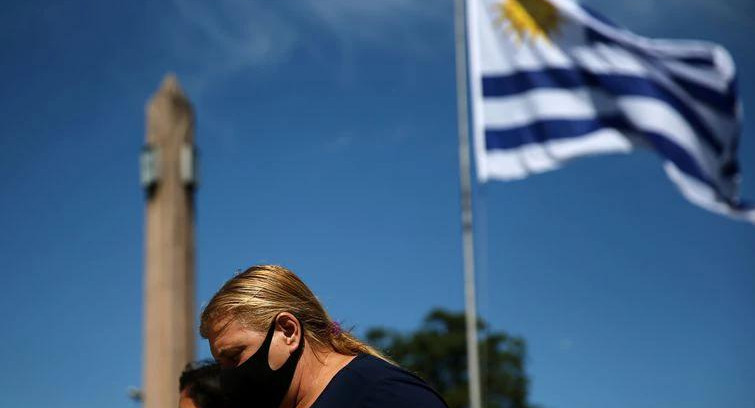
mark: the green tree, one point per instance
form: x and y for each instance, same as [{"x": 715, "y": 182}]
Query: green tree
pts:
[{"x": 437, "y": 353}]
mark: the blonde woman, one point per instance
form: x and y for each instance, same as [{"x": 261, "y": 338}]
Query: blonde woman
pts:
[{"x": 278, "y": 348}]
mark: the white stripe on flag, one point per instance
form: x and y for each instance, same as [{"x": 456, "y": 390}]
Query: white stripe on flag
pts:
[
  {"x": 702, "y": 195},
  {"x": 653, "y": 115},
  {"x": 512, "y": 164},
  {"x": 545, "y": 103},
  {"x": 703, "y": 76},
  {"x": 647, "y": 114}
]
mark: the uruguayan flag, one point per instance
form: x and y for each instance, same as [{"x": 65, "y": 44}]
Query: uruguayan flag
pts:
[{"x": 551, "y": 81}]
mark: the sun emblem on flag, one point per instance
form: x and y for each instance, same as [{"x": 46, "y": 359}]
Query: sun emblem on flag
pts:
[{"x": 536, "y": 19}]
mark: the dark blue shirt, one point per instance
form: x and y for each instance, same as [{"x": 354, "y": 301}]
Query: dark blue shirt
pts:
[{"x": 369, "y": 382}]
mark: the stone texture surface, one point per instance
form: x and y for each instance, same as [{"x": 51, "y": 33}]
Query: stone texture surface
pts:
[{"x": 169, "y": 250}]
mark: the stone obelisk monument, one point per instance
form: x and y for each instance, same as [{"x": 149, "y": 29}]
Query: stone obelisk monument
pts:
[{"x": 168, "y": 175}]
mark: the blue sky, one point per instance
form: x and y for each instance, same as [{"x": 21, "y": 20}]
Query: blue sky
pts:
[{"x": 327, "y": 134}]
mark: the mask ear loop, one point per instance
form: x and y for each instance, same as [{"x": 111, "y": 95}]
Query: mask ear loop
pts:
[
  {"x": 270, "y": 331},
  {"x": 269, "y": 338}
]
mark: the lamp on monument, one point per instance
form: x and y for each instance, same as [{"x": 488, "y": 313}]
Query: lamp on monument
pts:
[
  {"x": 188, "y": 165},
  {"x": 149, "y": 168}
]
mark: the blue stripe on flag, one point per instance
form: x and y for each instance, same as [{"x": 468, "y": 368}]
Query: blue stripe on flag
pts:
[
  {"x": 730, "y": 169},
  {"x": 617, "y": 85},
  {"x": 544, "y": 130},
  {"x": 600, "y": 17},
  {"x": 703, "y": 61},
  {"x": 699, "y": 61},
  {"x": 725, "y": 102}
]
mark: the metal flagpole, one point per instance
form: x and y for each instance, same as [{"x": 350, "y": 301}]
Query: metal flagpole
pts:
[{"x": 465, "y": 179}]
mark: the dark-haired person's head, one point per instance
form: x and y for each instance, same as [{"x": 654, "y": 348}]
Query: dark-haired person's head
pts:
[{"x": 200, "y": 386}]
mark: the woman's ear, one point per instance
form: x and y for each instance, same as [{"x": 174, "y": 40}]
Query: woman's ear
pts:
[{"x": 290, "y": 327}]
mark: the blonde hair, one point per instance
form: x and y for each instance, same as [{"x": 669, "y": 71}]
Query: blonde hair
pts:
[{"x": 257, "y": 295}]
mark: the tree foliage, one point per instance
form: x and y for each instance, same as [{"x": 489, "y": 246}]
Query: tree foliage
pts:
[{"x": 437, "y": 353}]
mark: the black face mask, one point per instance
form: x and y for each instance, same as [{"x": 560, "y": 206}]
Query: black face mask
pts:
[{"x": 253, "y": 384}]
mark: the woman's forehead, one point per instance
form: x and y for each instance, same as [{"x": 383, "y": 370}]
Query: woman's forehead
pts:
[{"x": 231, "y": 333}]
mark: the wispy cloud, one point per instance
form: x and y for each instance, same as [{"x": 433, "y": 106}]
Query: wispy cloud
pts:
[
  {"x": 216, "y": 40},
  {"x": 377, "y": 22},
  {"x": 565, "y": 344},
  {"x": 225, "y": 36}
]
